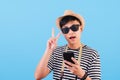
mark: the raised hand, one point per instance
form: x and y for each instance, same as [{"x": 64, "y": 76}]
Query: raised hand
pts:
[{"x": 52, "y": 42}]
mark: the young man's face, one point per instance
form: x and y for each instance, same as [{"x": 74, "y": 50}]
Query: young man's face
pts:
[{"x": 72, "y": 36}]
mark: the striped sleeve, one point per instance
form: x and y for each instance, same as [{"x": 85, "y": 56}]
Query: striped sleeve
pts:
[
  {"x": 94, "y": 70},
  {"x": 50, "y": 62}
]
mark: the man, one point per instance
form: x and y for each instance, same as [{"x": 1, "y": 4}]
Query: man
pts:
[{"x": 86, "y": 61}]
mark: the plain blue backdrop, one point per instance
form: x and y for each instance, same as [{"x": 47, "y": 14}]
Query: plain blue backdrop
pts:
[{"x": 25, "y": 26}]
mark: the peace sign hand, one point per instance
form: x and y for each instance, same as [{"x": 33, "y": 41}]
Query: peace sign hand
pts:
[{"x": 52, "y": 42}]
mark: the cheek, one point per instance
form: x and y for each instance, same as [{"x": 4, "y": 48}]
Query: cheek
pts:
[
  {"x": 66, "y": 36},
  {"x": 78, "y": 34}
]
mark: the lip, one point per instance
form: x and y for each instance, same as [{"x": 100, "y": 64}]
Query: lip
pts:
[{"x": 72, "y": 37}]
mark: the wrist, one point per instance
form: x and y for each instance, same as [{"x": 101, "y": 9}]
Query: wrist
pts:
[
  {"x": 84, "y": 76},
  {"x": 81, "y": 74},
  {"x": 49, "y": 51}
]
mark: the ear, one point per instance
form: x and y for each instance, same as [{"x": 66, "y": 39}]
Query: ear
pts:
[{"x": 81, "y": 29}]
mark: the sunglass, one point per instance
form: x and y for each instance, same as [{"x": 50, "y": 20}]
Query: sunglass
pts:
[{"x": 74, "y": 28}]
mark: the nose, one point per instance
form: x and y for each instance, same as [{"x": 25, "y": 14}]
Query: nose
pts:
[{"x": 70, "y": 31}]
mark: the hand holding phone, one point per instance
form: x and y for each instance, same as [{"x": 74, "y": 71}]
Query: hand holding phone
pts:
[{"x": 68, "y": 55}]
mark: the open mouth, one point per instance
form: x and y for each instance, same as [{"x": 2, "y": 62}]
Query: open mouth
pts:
[{"x": 72, "y": 37}]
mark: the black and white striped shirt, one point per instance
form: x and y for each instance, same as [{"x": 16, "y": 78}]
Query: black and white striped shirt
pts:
[{"x": 90, "y": 62}]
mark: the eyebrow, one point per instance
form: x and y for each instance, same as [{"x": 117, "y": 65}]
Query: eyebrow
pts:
[{"x": 71, "y": 25}]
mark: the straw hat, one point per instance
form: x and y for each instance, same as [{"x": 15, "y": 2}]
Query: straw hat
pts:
[{"x": 69, "y": 12}]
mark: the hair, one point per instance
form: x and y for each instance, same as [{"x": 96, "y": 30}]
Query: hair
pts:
[{"x": 67, "y": 19}]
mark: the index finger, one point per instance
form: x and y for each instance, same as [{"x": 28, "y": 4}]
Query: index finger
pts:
[
  {"x": 69, "y": 63},
  {"x": 57, "y": 37},
  {"x": 53, "y": 32}
]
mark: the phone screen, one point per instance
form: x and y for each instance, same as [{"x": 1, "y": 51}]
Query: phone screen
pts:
[{"x": 68, "y": 55}]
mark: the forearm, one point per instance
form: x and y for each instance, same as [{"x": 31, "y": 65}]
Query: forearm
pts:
[
  {"x": 44, "y": 61},
  {"x": 42, "y": 70}
]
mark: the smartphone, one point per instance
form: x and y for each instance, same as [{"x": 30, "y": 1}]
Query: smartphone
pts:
[{"x": 68, "y": 55}]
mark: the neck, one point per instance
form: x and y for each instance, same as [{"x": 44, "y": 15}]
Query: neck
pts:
[{"x": 74, "y": 46}]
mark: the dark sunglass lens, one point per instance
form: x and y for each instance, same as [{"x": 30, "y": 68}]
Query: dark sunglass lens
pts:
[
  {"x": 75, "y": 27},
  {"x": 65, "y": 30}
]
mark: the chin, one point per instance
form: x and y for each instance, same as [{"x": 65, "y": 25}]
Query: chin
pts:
[{"x": 72, "y": 43}]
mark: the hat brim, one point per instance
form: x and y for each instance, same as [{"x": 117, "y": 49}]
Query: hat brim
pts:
[{"x": 72, "y": 14}]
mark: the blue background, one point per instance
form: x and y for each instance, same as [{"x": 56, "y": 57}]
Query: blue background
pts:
[{"x": 25, "y": 26}]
